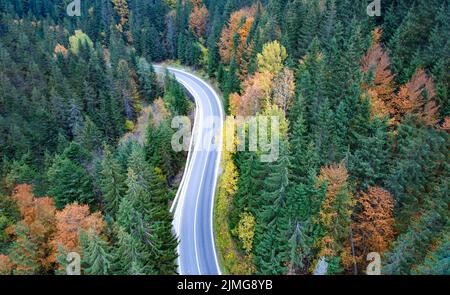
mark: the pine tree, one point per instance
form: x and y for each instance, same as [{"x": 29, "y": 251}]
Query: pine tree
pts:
[
  {"x": 112, "y": 182},
  {"x": 419, "y": 166},
  {"x": 23, "y": 253},
  {"x": 128, "y": 254},
  {"x": 147, "y": 80},
  {"x": 69, "y": 182},
  {"x": 304, "y": 155},
  {"x": 96, "y": 256},
  {"x": 410, "y": 248},
  {"x": 369, "y": 162},
  {"x": 437, "y": 262},
  {"x": 270, "y": 247}
]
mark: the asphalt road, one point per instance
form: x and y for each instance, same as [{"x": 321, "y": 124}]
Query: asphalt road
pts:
[{"x": 194, "y": 203}]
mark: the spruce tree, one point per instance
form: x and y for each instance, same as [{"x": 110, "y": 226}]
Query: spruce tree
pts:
[
  {"x": 112, "y": 182},
  {"x": 97, "y": 258}
]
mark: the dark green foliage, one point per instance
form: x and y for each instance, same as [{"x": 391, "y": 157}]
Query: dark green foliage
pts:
[
  {"x": 69, "y": 182},
  {"x": 411, "y": 247},
  {"x": 369, "y": 162},
  {"x": 112, "y": 182},
  {"x": 60, "y": 108},
  {"x": 97, "y": 259},
  {"x": 413, "y": 181},
  {"x": 9, "y": 214}
]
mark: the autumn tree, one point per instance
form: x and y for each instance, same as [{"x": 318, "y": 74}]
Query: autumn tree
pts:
[
  {"x": 123, "y": 26},
  {"x": 198, "y": 19},
  {"x": 380, "y": 85},
  {"x": 33, "y": 232},
  {"x": 77, "y": 40},
  {"x": 373, "y": 223},
  {"x": 69, "y": 222},
  {"x": 417, "y": 97},
  {"x": 6, "y": 265},
  {"x": 335, "y": 217},
  {"x": 246, "y": 231},
  {"x": 272, "y": 58},
  {"x": 256, "y": 95},
  {"x": 239, "y": 24},
  {"x": 284, "y": 89}
]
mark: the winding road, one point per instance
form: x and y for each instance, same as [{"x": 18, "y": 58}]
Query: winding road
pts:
[{"x": 194, "y": 204}]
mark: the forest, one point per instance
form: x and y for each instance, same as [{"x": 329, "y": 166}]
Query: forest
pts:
[{"x": 363, "y": 104}]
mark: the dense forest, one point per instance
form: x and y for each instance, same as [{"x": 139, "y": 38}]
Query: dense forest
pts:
[{"x": 363, "y": 104}]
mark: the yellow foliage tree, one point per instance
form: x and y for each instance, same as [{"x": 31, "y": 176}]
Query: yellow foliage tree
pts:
[
  {"x": 246, "y": 231},
  {"x": 232, "y": 261},
  {"x": 335, "y": 215},
  {"x": 272, "y": 58},
  {"x": 78, "y": 39}
]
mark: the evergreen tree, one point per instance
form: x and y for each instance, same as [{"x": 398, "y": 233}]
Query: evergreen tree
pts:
[
  {"x": 69, "y": 182},
  {"x": 96, "y": 256},
  {"x": 112, "y": 182}
]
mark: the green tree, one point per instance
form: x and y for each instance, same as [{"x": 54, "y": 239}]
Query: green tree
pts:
[
  {"x": 112, "y": 181},
  {"x": 69, "y": 182},
  {"x": 97, "y": 259}
]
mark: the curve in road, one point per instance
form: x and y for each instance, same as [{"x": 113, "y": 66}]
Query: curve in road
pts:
[{"x": 194, "y": 203}]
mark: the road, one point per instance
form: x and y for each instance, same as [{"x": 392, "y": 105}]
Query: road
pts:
[{"x": 194, "y": 203}]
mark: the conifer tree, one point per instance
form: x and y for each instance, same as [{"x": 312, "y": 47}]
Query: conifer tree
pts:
[
  {"x": 112, "y": 182},
  {"x": 96, "y": 256}
]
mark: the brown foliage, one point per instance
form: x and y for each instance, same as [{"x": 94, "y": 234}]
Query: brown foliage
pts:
[
  {"x": 446, "y": 125},
  {"x": 6, "y": 265},
  {"x": 381, "y": 91},
  {"x": 373, "y": 227},
  {"x": 198, "y": 19},
  {"x": 335, "y": 213},
  {"x": 69, "y": 222},
  {"x": 336, "y": 177},
  {"x": 160, "y": 112},
  {"x": 411, "y": 99},
  {"x": 257, "y": 92},
  {"x": 38, "y": 215},
  {"x": 284, "y": 89},
  {"x": 235, "y": 26},
  {"x": 60, "y": 49}
]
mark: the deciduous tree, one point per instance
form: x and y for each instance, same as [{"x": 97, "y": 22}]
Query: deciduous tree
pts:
[{"x": 373, "y": 223}]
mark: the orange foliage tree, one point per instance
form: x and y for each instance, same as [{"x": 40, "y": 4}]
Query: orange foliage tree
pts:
[
  {"x": 417, "y": 97},
  {"x": 38, "y": 220},
  {"x": 381, "y": 90},
  {"x": 256, "y": 96},
  {"x": 6, "y": 265},
  {"x": 373, "y": 226},
  {"x": 446, "y": 124},
  {"x": 198, "y": 19},
  {"x": 240, "y": 23},
  {"x": 69, "y": 223},
  {"x": 335, "y": 216},
  {"x": 60, "y": 49}
]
